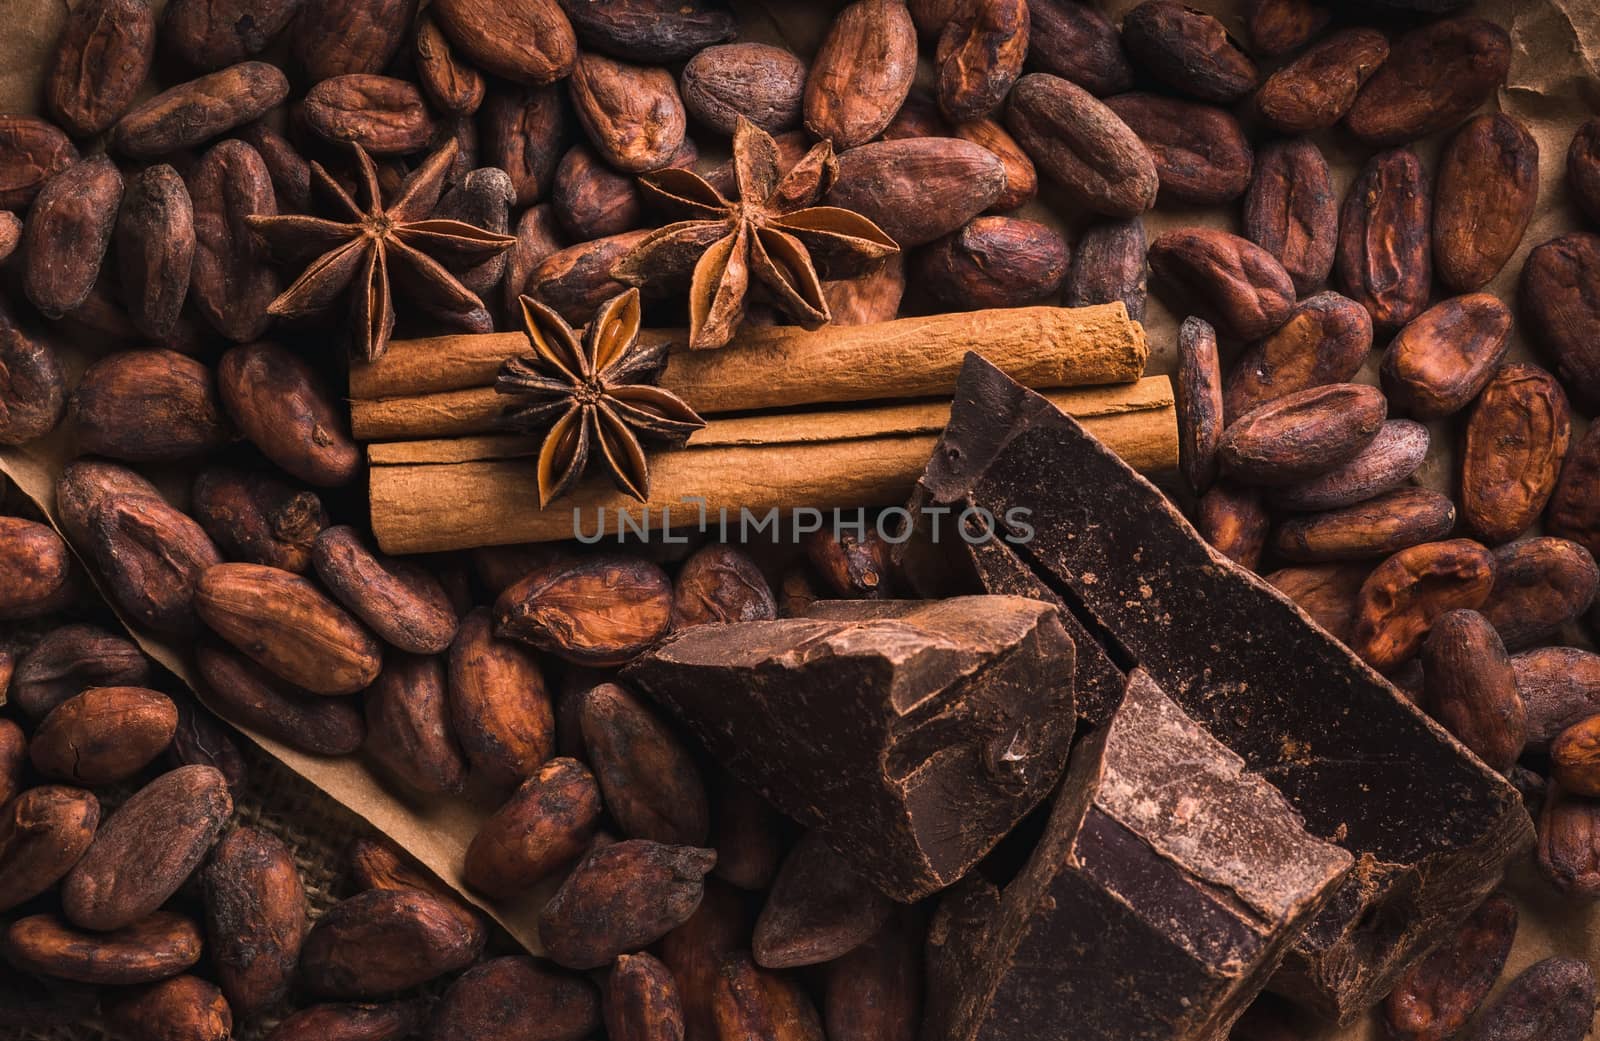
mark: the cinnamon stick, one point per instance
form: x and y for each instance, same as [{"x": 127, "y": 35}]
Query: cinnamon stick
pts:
[
  {"x": 442, "y": 387},
  {"x": 437, "y": 495}
]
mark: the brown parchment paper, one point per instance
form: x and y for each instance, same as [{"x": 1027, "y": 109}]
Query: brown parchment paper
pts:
[{"x": 1553, "y": 86}]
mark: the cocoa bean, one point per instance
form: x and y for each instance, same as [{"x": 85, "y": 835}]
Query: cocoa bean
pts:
[
  {"x": 1108, "y": 264},
  {"x": 332, "y": 38},
  {"x": 1437, "y": 996},
  {"x": 155, "y": 243},
  {"x": 209, "y": 34},
  {"x": 1434, "y": 77},
  {"x": 1326, "y": 592},
  {"x": 255, "y": 918},
  {"x": 1516, "y": 437},
  {"x": 1540, "y": 585},
  {"x": 183, "y": 1008},
  {"x": 601, "y": 610},
  {"x": 1301, "y": 435},
  {"x": 591, "y": 200},
  {"x": 1199, "y": 393},
  {"x": 1487, "y": 186},
  {"x": 1074, "y": 40},
  {"x": 1230, "y": 281},
  {"x": 631, "y": 113},
  {"x": 204, "y": 740},
  {"x": 1569, "y": 846},
  {"x": 1022, "y": 180},
  {"x": 1393, "y": 455},
  {"x": 694, "y": 952},
  {"x": 255, "y": 517},
  {"x": 994, "y": 262},
  {"x": 1317, "y": 89},
  {"x": 192, "y": 113},
  {"x": 232, "y": 283},
  {"x": 1551, "y": 1001},
  {"x": 154, "y": 948},
  {"x": 408, "y": 725},
  {"x": 1560, "y": 686},
  {"x": 1400, "y": 600},
  {"x": 67, "y": 233},
  {"x": 620, "y": 898},
  {"x": 302, "y": 720},
  {"x": 1291, "y": 211},
  {"x": 33, "y": 385},
  {"x": 1445, "y": 356},
  {"x": 149, "y": 406},
  {"x": 546, "y": 825},
  {"x": 1583, "y": 169},
  {"x": 861, "y": 74},
  {"x": 503, "y": 998},
  {"x": 151, "y": 557},
  {"x": 1575, "y": 758},
  {"x": 745, "y": 834},
  {"x": 482, "y": 198},
  {"x": 499, "y": 705},
  {"x": 32, "y": 151},
  {"x": 528, "y": 42},
  {"x": 1374, "y": 528},
  {"x": 1574, "y": 510},
  {"x": 849, "y": 566},
  {"x": 382, "y": 941},
  {"x": 453, "y": 86},
  {"x": 1233, "y": 519},
  {"x": 1189, "y": 51},
  {"x": 283, "y": 408},
  {"x": 392, "y": 1021},
  {"x": 752, "y": 1002},
  {"x": 13, "y": 745},
  {"x": 1082, "y": 145},
  {"x": 1384, "y": 260},
  {"x": 538, "y": 239},
  {"x": 575, "y": 281},
  {"x": 288, "y": 170},
  {"x": 1281, "y": 26},
  {"x": 648, "y": 780},
  {"x": 818, "y": 910},
  {"x": 400, "y": 601},
  {"x": 147, "y": 848},
  {"x": 874, "y": 993},
  {"x": 918, "y": 189},
  {"x": 103, "y": 735},
  {"x": 1561, "y": 305},
  {"x": 43, "y": 833},
  {"x": 101, "y": 59},
  {"x": 524, "y": 133},
  {"x": 36, "y": 576},
  {"x": 1200, "y": 151},
  {"x": 381, "y": 114},
  {"x": 1470, "y": 688},
  {"x": 70, "y": 658},
  {"x": 979, "y": 57},
  {"x": 651, "y": 30},
  {"x": 720, "y": 583},
  {"x": 641, "y": 1002},
  {"x": 762, "y": 83}
]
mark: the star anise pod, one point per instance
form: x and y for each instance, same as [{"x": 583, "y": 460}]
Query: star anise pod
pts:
[
  {"x": 593, "y": 392},
  {"x": 775, "y": 235},
  {"x": 371, "y": 243}
]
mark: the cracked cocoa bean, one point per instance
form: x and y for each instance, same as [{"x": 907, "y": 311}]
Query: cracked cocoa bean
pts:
[
  {"x": 256, "y": 518},
  {"x": 979, "y": 57},
  {"x": 103, "y": 735},
  {"x": 151, "y": 557},
  {"x": 720, "y": 583},
  {"x": 232, "y": 283},
  {"x": 211, "y": 34},
  {"x": 1403, "y": 596},
  {"x": 33, "y": 384},
  {"x": 102, "y": 58},
  {"x": 641, "y": 1002},
  {"x": 1291, "y": 211},
  {"x": 601, "y": 610},
  {"x": 861, "y": 74}
]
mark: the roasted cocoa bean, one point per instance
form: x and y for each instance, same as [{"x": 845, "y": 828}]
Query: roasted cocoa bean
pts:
[
  {"x": 382, "y": 941},
  {"x": 1384, "y": 259},
  {"x": 70, "y": 658},
  {"x": 1108, "y": 264},
  {"x": 147, "y": 848},
  {"x": 1540, "y": 585},
  {"x": 1393, "y": 455},
  {"x": 1301, "y": 435},
  {"x": 1189, "y": 51},
  {"x": 302, "y": 720},
  {"x": 918, "y": 189},
  {"x": 1569, "y": 846},
  {"x": 1574, "y": 511},
  {"x": 601, "y": 610},
  {"x": 1400, "y": 600},
  {"x": 1082, "y": 145},
  {"x": 1575, "y": 758},
  {"x": 1317, "y": 89},
  {"x": 524, "y": 133},
  {"x": 546, "y": 825},
  {"x": 1434, "y": 76},
  {"x": 862, "y": 73},
  {"x": 13, "y": 744},
  {"x": 745, "y": 834},
  {"x": 1437, "y": 996},
  {"x": 282, "y": 407},
  {"x": 452, "y": 85},
  {"x": 1074, "y": 40},
  {"x": 193, "y": 113},
  {"x": 874, "y": 993},
  {"x": 1516, "y": 437},
  {"x": 1281, "y": 26},
  {"x": 154, "y": 948},
  {"x": 43, "y": 833},
  {"x": 151, "y": 557},
  {"x": 183, "y": 1008},
  {"x": 381, "y": 114},
  {"x": 32, "y": 151},
  {"x": 648, "y": 780},
  {"x": 287, "y": 168},
  {"x": 872, "y": 298},
  {"x": 1200, "y": 151},
  {"x": 101, "y": 59},
  {"x": 849, "y": 566},
  {"x": 1562, "y": 308},
  {"x": 1233, "y": 283},
  {"x": 1291, "y": 211},
  {"x": 762, "y": 83},
  {"x": 720, "y": 583},
  {"x": 1199, "y": 393},
  {"x": 1486, "y": 188},
  {"x": 1560, "y": 686},
  {"x": 255, "y": 517},
  {"x": 155, "y": 244},
  {"x": 33, "y": 385},
  {"x": 819, "y": 909},
  {"x": 1326, "y": 592},
  {"x": 204, "y": 740},
  {"x": 1551, "y": 1001},
  {"x": 575, "y": 281},
  {"x": 650, "y": 30},
  {"x": 399, "y": 600},
  {"x": 209, "y": 34},
  {"x": 36, "y": 576},
  {"x": 331, "y": 38},
  {"x": 232, "y": 283},
  {"x": 1470, "y": 688},
  {"x": 752, "y": 1002},
  {"x": 67, "y": 233},
  {"x": 641, "y": 1001},
  {"x": 631, "y": 113},
  {"x": 391, "y": 1021},
  {"x": 149, "y": 406},
  {"x": 620, "y": 898},
  {"x": 1022, "y": 179},
  {"x": 528, "y": 42},
  {"x": 979, "y": 57},
  {"x": 591, "y": 200},
  {"x": 1233, "y": 519},
  {"x": 994, "y": 262},
  {"x": 538, "y": 239},
  {"x": 1371, "y": 529},
  {"x": 499, "y": 1000},
  {"x": 1583, "y": 169},
  {"x": 1445, "y": 356},
  {"x": 255, "y": 918},
  {"x": 408, "y": 725},
  {"x": 499, "y": 706},
  {"x": 103, "y": 735},
  {"x": 694, "y": 952}
]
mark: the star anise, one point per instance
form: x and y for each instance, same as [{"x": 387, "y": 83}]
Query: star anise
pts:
[
  {"x": 372, "y": 243},
  {"x": 775, "y": 235},
  {"x": 593, "y": 392}
]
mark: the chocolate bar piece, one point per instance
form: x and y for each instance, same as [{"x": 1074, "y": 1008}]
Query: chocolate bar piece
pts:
[
  {"x": 1431, "y": 826},
  {"x": 1168, "y": 886},
  {"x": 913, "y": 736}
]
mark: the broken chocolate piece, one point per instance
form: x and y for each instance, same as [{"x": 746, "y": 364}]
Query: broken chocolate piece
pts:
[
  {"x": 1168, "y": 886},
  {"x": 1430, "y": 826},
  {"x": 912, "y": 735}
]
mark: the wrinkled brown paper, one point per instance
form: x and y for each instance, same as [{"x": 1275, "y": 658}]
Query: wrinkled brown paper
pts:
[{"x": 1554, "y": 85}]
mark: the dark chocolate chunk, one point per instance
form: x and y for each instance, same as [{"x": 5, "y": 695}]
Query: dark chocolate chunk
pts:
[
  {"x": 1431, "y": 827},
  {"x": 912, "y": 735},
  {"x": 1168, "y": 886}
]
